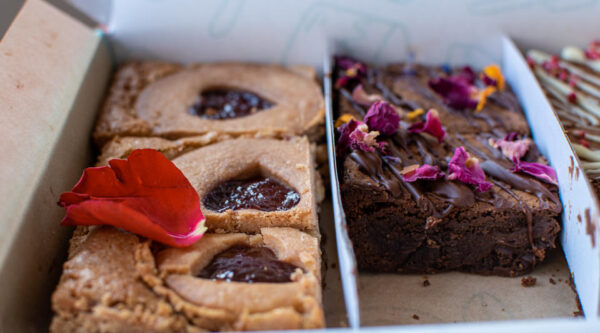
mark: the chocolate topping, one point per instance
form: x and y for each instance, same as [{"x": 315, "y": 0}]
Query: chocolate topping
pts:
[
  {"x": 265, "y": 194},
  {"x": 404, "y": 149},
  {"x": 226, "y": 104},
  {"x": 243, "y": 263}
]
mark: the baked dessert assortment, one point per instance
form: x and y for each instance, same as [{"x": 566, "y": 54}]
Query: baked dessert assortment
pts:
[
  {"x": 571, "y": 81},
  {"x": 239, "y": 135},
  {"x": 438, "y": 172}
]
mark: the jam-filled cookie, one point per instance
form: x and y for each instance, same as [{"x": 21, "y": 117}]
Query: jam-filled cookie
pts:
[
  {"x": 244, "y": 184},
  {"x": 115, "y": 281},
  {"x": 270, "y": 280},
  {"x": 159, "y": 99}
]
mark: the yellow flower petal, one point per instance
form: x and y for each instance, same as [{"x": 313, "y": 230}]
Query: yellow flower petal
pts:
[
  {"x": 483, "y": 95},
  {"x": 493, "y": 72},
  {"x": 343, "y": 119},
  {"x": 414, "y": 114}
]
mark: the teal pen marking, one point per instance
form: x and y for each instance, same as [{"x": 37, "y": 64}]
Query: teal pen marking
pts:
[
  {"x": 467, "y": 53},
  {"x": 225, "y": 17},
  {"x": 312, "y": 14},
  {"x": 101, "y": 32},
  {"x": 561, "y": 6}
]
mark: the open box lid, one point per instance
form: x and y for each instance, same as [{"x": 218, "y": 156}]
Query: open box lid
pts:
[
  {"x": 288, "y": 31},
  {"x": 59, "y": 73}
]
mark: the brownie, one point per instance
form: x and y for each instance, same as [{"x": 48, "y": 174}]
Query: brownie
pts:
[
  {"x": 429, "y": 226},
  {"x": 407, "y": 87},
  {"x": 571, "y": 82}
]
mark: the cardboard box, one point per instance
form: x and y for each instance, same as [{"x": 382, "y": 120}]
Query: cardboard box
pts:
[{"x": 54, "y": 71}]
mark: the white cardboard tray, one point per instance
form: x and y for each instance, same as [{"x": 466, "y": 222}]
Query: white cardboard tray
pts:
[{"x": 51, "y": 62}]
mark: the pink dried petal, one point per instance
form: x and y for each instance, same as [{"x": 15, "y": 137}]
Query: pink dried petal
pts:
[
  {"x": 356, "y": 135},
  {"x": 354, "y": 70},
  {"x": 432, "y": 125},
  {"x": 466, "y": 169},
  {"x": 573, "y": 80},
  {"x": 593, "y": 50},
  {"x": 425, "y": 171},
  {"x": 364, "y": 139},
  {"x": 541, "y": 171},
  {"x": 345, "y": 130},
  {"x": 513, "y": 150},
  {"x": 456, "y": 91},
  {"x": 360, "y": 96},
  {"x": 531, "y": 62},
  {"x": 512, "y": 136},
  {"x": 466, "y": 74},
  {"x": 572, "y": 97},
  {"x": 584, "y": 143},
  {"x": 383, "y": 117}
]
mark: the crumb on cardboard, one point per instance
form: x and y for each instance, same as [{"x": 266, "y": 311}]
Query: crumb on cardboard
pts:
[
  {"x": 551, "y": 280},
  {"x": 415, "y": 317},
  {"x": 426, "y": 283},
  {"x": 528, "y": 281}
]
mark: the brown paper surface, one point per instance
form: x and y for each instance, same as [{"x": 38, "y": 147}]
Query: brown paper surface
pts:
[
  {"x": 333, "y": 295},
  {"x": 398, "y": 299}
]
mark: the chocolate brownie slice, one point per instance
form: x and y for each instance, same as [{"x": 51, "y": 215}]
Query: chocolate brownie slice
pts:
[{"x": 434, "y": 225}]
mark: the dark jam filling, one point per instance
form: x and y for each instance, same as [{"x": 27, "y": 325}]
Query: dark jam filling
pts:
[
  {"x": 260, "y": 193},
  {"x": 243, "y": 263},
  {"x": 227, "y": 104}
]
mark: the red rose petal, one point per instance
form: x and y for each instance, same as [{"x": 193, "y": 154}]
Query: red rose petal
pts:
[
  {"x": 432, "y": 125},
  {"x": 145, "y": 194}
]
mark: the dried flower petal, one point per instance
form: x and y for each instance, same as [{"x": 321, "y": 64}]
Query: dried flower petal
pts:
[
  {"x": 383, "y": 117},
  {"x": 466, "y": 169},
  {"x": 360, "y": 96},
  {"x": 432, "y": 125},
  {"x": 482, "y": 96},
  {"x": 593, "y": 50},
  {"x": 513, "y": 150},
  {"x": 343, "y": 119},
  {"x": 572, "y": 97},
  {"x": 511, "y": 136},
  {"x": 456, "y": 91},
  {"x": 356, "y": 135},
  {"x": 145, "y": 194},
  {"x": 354, "y": 70},
  {"x": 364, "y": 139},
  {"x": 492, "y": 76},
  {"x": 467, "y": 75},
  {"x": 425, "y": 171},
  {"x": 541, "y": 171},
  {"x": 415, "y": 114},
  {"x": 584, "y": 143}
]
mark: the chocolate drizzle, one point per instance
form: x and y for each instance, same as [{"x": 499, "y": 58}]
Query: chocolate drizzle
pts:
[{"x": 405, "y": 149}]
